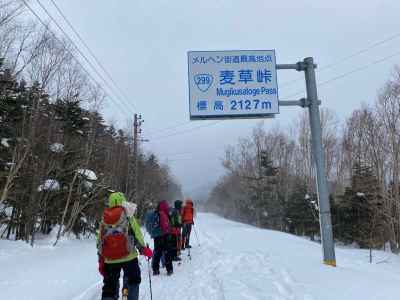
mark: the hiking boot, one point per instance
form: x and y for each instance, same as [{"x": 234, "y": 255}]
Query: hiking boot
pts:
[
  {"x": 170, "y": 272},
  {"x": 188, "y": 246},
  {"x": 156, "y": 272}
]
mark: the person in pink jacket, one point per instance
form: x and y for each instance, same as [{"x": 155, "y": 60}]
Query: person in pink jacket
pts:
[{"x": 162, "y": 244}]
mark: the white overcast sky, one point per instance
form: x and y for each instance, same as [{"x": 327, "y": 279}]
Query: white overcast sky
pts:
[{"x": 143, "y": 44}]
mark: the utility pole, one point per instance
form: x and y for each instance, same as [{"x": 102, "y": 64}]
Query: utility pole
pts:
[{"x": 136, "y": 130}]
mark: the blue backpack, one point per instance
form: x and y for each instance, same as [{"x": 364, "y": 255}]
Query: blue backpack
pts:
[{"x": 152, "y": 224}]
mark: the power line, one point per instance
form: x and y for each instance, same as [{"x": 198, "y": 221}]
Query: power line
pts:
[
  {"x": 92, "y": 53},
  {"x": 169, "y": 128},
  {"x": 70, "y": 52},
  {"x": 187, "y": 131},
  {"x": 358, "y": 69},
  {"x": 348, "y": 57},
  {"x": 81, "y": 53},
  {"x": 191, "y": 152}
]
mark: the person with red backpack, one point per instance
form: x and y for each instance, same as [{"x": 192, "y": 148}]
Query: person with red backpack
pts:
[
  {"x": 162, "y": 238},
  {"x": 188, "y": 221},
  {"x": 120, "y": 240}
]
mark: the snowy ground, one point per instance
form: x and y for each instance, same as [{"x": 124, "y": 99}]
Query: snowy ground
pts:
[{"x": 234, "y": 261}]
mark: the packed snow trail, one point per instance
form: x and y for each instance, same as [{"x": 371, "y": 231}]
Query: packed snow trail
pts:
[{"x": 235, "y": 261}]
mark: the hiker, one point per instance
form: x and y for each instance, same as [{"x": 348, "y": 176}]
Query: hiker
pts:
[
  {"x": 187, "y": 220},
  {"x": 158, "y": 226},
  {"x": 120, "y": 239},
  {"x": 176, "y": 227}
]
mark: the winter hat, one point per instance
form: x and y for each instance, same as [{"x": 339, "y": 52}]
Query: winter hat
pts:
[{"x": 178, "y": 204}]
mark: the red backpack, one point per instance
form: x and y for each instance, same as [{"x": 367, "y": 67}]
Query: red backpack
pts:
[{"x": 116, "y": 242}]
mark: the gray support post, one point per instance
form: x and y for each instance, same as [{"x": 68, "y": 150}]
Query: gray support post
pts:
[
  {"x": 290, "y": 103},
  {"x": 319, "y": 157}
]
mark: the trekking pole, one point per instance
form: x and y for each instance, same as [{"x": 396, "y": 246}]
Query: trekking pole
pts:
[
  {"x": 151, "y": 290},
  {"x": 197, "y": 238}
]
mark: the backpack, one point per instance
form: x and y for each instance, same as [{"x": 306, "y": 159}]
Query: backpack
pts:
[
  {"x": 116, "y": 242},
  {"x": 175, "y": 218},
  {"x": 152, "y": 224}
]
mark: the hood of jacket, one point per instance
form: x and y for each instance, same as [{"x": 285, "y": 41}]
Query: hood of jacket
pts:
[
  {"x": 164, "y": 207},
  {"x": 116, "y": 199}
]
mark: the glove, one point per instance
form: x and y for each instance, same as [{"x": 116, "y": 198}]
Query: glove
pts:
[
  {"x": 101, "y": 265},
  {"x": 147, "y": 252}
]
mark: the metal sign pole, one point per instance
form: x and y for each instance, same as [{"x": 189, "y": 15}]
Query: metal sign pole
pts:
[
  {"x": 319, "y": 157},
  {"x": 312, "y": 102}
]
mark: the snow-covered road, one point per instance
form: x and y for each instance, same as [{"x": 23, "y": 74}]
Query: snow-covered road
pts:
[{"x": 234, "y": 261}]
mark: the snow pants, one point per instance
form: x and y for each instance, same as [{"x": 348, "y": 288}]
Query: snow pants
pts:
[
  {"x": 176, "y": 245},
  {"x": 111, "y": 279},
  {"x": 187, "y": 229},
  {"x": 162, "y": 245},
  {"x": 174, "y": 249}
]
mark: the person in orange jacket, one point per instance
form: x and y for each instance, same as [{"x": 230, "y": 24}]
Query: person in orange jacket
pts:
[{"x": 188, "y": 221}]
